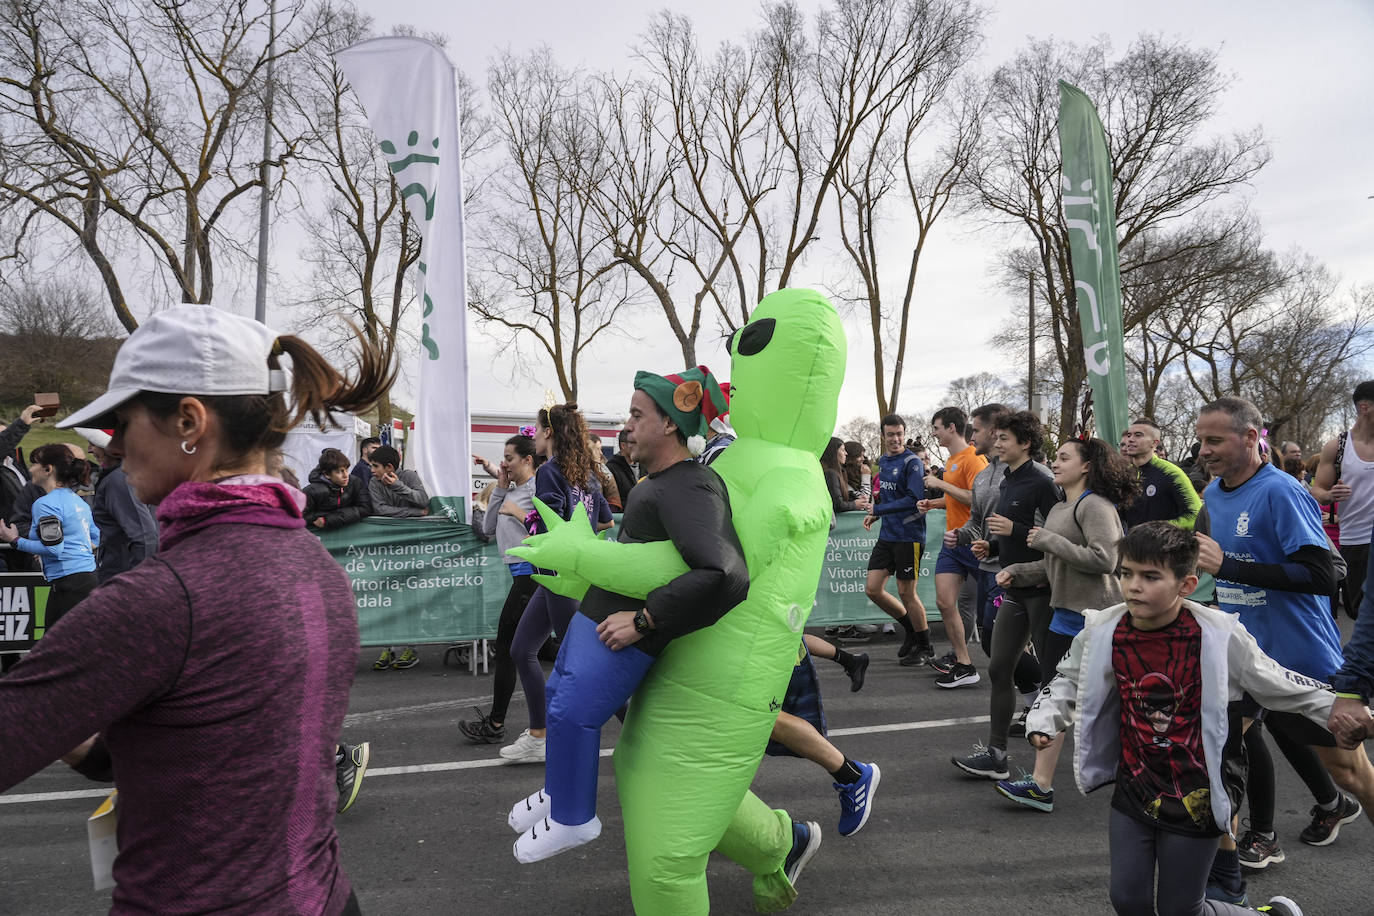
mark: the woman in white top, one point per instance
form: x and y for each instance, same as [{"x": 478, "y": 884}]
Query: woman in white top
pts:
[{"x": 511, "y": 502}]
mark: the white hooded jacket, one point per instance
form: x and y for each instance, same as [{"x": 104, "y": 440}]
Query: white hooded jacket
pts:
[{"x": 1232, "y": 664}]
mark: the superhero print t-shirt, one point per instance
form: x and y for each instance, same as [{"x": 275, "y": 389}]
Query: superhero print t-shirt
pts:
[{"x": 1162, "y": 778}]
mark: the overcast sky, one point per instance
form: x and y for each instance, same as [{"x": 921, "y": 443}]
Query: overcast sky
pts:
[{"x": 1303, "y": 71}]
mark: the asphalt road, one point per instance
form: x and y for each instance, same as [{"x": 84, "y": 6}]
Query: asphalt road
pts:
[{"x": 428, "y": 833}]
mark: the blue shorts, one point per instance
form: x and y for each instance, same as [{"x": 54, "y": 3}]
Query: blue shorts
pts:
[
  {"x": 958, "y": 560},
  {"x": 1066, "y": 622}
]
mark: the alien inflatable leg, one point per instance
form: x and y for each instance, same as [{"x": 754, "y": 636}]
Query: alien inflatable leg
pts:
[{"x": 759, "y": 838}]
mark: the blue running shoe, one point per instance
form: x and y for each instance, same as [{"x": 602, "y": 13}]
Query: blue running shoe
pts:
[
  {"x": 1024, "y": 790},
  {"x": 806, "y": 839},
  {"x": 856, "y": 799}
]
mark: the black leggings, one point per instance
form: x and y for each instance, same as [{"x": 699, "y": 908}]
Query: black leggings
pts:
[
  {"x": 67, "y": 592},
  {"x": 521, "y": 588},
  {"x": 1021, "y": 619},
  {"x": 1259, "y": 783},
  {"x": 1026, "y": 675},
  {"x": 1154, "y": 871},
  {"x": 1056, "y": 646}
]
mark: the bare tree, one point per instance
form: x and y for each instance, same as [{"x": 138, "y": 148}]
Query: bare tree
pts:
[
  {"x": 921, "y": 47},
  {"x": 693, "y": 153},
  {"x": 1199, "y": 284},
  {"x": 973, "y": 391},
  {"x": 1154, "y": 101},
  {"x": 138, "y": 121},
  {"x": 548, "y": 268},
  {"x": 56, "y": 337}
]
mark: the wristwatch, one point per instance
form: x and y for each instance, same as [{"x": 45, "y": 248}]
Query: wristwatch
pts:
[{"x": 642, "y": 624}]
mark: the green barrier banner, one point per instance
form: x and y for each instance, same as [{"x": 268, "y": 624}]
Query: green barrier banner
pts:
[
  {"x": 424, "y": 580},
  {"x": 23, "y": 603},
  {"x": 430, "y": 580},
  {"x": 841, "y": 599}
]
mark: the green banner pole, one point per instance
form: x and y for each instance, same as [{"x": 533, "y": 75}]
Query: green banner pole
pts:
[{"x": 1090, "y": 216}]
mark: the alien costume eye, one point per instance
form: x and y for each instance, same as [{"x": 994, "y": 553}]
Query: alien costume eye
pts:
[{"x": 755, "y": 337}]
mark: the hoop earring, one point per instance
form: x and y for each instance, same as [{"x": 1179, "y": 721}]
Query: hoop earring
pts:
[{"x": 189, "y": 451}]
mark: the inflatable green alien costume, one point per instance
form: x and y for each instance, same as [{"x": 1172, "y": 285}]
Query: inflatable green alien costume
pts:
[{"x": 700, "y": 720}]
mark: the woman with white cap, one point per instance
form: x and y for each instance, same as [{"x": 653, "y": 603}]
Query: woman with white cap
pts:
[{"x": 211, "y": 816}]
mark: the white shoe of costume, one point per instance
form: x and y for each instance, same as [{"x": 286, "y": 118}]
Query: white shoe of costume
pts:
[
  {"x": 529, "y": 811},
  {"x": 549, "y": 838}
]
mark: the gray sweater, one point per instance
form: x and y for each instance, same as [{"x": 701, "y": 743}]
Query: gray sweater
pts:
[
  {"x": 1080, "y": 555},
  {"x": 406, "y": 498},
  {"x": 508, "y": 530}
]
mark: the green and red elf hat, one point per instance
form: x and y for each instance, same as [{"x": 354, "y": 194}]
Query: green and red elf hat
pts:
[{"x": 691, "y": 399}]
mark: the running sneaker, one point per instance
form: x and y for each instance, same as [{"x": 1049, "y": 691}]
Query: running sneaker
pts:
[
  {"x": 481, "y": 730},
  {"x": 856, "y": 633},
  {"x": 1258, "y": 851},
  {"x": 1327, "y": 824},
  {"x": 984, "y": 761},
  {"x": 1280, "y": 906},
  {"x": 857, "y": 671},
  {"x": 958, "y": 676},
  {"x": 918, "y": 657},
  {"x": 1017, "y": 729},
  {"x": 1024, "y": 790},
  {"x": 856, "y": 799},
  {"x": 525, "y": 749},
  {"x": 912, "y": 640},
  {"x": 384, "y": 660},
  {"x": 348, "y": 772},
  {"x": 944, "y": 662},
  {"x": 407, "y": 659},
  {"x": 1217, "y": 892},
  {"x": 806, "y": 839}
]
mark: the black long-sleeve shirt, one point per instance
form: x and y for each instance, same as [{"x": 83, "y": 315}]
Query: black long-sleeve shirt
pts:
[
  {"x": 685, "y": 503},
  {"x": 1026, "y": 497}
]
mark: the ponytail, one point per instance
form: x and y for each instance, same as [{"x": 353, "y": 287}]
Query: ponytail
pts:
[
  {"x": 68, "y": 470},
  {"x": 317, "y": 387}
]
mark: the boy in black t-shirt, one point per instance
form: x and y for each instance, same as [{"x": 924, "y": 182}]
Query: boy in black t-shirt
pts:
[{"x": 1143, "y": 680}]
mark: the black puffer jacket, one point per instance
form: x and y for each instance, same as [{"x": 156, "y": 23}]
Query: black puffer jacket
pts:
[{"x": 338, "y": 506}]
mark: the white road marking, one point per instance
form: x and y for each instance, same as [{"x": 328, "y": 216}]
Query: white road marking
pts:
[
  {"x": 418, "y": 769},
  {"x": 395, "y": 712}
]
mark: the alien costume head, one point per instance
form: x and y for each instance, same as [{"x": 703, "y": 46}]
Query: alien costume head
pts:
[{"x": 787, "y": 367}]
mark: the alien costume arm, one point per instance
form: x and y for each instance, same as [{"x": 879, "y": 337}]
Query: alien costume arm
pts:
[
  {"x": 687, "y": 582},
  {"x": 583, "y": 559}
]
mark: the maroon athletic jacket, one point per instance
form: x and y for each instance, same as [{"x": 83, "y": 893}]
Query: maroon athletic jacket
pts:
[{"x": 219, "y": 673}]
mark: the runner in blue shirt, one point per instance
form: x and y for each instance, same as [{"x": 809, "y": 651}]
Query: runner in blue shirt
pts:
[
  {"x": 1272, "y": 563},
  {"x": 901, "y": 539}
]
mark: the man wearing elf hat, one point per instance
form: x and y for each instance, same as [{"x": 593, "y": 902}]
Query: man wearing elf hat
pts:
[
  {"x": 701, "y": 717},
  {"x": 615, "y": 638}
]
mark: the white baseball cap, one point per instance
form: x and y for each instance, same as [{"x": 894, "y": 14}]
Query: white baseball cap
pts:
[
  {"x": 188, "y": 349},
  {"x": 97, "y": 437}
]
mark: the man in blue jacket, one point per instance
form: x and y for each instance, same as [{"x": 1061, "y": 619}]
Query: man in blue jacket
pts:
[{"x": 901, "y": 539}]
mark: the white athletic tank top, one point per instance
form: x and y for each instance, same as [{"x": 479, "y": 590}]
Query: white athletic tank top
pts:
[{"x": 1356, "y": 513}]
